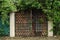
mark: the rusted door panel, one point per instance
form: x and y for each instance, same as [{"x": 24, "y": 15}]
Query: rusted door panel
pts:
[
  {"x": 28, "y": 24},
  {"x": 22, "y": 24}
]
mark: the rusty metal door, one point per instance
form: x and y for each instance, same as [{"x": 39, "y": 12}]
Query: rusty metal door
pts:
[
  {"x": 39, "y": 23},
  {"x": 30, "y": 24},
  {"x": 23, "y": 24}
]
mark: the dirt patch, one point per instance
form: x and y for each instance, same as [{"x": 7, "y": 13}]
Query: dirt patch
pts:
[{"x": 30, "y": 38}]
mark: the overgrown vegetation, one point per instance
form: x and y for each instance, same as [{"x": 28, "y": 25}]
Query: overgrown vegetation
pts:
[{"x": 51, "y": 9}]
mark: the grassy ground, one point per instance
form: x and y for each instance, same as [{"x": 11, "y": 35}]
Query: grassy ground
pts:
[{"x": 30, "y": 38}]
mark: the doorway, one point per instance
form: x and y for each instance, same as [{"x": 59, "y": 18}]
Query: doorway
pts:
[{"x": 30, "y": 24}]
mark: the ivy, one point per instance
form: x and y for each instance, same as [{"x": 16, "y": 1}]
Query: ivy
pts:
[{"x": 6, "y": 6}]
